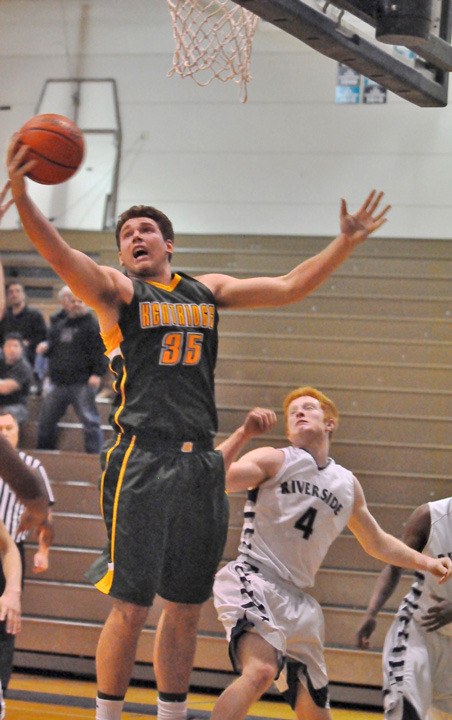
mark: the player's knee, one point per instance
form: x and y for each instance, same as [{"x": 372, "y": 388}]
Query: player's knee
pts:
[
  {"x": 129, "y": 614},
  {"x": 260, "y": 675},
  {"x": 182, "y": 613}
]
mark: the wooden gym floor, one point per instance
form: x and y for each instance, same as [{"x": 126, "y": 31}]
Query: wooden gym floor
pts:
[{"x": 35, "y": 697}]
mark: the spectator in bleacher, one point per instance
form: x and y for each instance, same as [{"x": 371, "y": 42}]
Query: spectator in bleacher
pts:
[
  {"x": 417, "y": 654},
  {"x": 41, "y": 366},
  {"x": 76, "y": 366},
  {"x": 299, "y": 500},
  {"x": 11, "y": 510},
  {"x": 16, "y": 376},
  {"x": 21, "y": 318}
]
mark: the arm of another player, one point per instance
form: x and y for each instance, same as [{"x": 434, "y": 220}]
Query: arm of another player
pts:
[
  {"x": 12, "y": 570},
  {"x": 257, "y": 422},
  {"x": 306, "y": 277},
  {"x": 257, "y": 465},
  {"x": 102, "y": 288},
  {"x": 45, "y": 535},
  {"x": 383, "y": 546},
  {"x": 415, "y": 535},
  {"x": 28, "y": 486},
  {"x": 4, "y": 206}
]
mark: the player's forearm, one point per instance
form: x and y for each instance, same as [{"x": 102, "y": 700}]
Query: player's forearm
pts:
[
  {"x": 80, "y": 272},
  {"x": 44, "y": 236},
  {"x": 231, "y": 447},
  {"x": 26, "y": 484},
  {"x": 12, "y": 568},
  {"x": 386, "y": 583},
  {"x": 393, "y": 551},
  {"x": 311, "y": 273}
]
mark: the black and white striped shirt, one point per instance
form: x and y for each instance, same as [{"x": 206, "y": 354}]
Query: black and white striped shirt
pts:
[{"x": 10, "y": 506}]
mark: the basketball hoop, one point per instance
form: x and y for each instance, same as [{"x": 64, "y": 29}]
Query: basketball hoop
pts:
[{"x": 213, "y": 40}]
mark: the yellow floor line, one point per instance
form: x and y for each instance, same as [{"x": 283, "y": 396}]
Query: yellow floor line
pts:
[{"x": 20, "y": 710}]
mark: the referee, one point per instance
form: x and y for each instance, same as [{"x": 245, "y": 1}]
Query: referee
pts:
[{"x": 11, "y": 509}]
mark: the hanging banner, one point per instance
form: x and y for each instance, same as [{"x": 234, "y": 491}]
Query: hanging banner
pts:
[
  {"x": 348, "y": 85},
  {"x": 373, "y": 93},
  {"x": 352, "y": 88}
]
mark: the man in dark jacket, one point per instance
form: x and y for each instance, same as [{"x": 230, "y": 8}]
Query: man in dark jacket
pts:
[
  {"x": 21, "y": 318},
  {"x": 76, "y": 366},
  {"x": 15, "y": 377}
]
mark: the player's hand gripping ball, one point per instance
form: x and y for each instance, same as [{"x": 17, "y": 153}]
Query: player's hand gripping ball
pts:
[{"x": 57, "y": 146}]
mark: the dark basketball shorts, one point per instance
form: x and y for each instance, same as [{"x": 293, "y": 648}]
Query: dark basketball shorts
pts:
[{"x": 166, "y": 514}]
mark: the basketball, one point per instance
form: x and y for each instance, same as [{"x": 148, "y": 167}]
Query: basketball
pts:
[{"x": 57, "y": 146}]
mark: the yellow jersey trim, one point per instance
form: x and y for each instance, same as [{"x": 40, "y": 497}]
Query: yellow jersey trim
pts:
[
  {"x": 105, "y": 583},
  {"x": 123, "y": 399},
  {"x": 102, "y": 479},
  {"x": 112, "y": 339},
  {"x": 117, "y": 494},
  {"x": 173, "y": 284}
]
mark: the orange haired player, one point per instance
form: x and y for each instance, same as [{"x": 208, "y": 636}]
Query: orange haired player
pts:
[{"x": 299, "y": 500}]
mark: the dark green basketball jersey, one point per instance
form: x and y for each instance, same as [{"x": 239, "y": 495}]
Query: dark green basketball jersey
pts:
[{"x": 163, "y": 353}]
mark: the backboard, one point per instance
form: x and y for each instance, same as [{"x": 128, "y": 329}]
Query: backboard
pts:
[{"x": 344, "y": 30}]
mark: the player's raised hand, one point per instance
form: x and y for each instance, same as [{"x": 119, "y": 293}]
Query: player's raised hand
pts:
[
  {"x": 17, "y": 165},
  {"x": 259, "y": 421},
  {"x": 370, "y": 216}
]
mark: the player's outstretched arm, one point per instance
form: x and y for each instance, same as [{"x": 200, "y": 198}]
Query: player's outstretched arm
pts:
[
  {"x": 27, "y": 485},
  {"x": 415, "y": 535},
  {"x": 306, "y": 277},
  {"x": 100, "y": 287},
  {"x": 383, "y": 546},
  {"x": 12, "y": 570}
]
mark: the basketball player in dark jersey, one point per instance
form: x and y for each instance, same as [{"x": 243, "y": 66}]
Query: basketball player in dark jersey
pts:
[{"x": 162, "y": 489}]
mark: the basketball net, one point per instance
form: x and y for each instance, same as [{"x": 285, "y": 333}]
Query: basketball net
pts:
[{"x": 213, "y": 40}]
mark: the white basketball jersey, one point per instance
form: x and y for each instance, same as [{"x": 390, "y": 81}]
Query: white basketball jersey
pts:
[
  {"x": 438, "y": 545},
  {"x": 291, "y": 519}
]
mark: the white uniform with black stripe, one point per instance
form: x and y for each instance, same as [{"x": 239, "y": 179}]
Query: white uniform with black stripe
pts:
[
  {"x": 418, "y": 664},
  {"x": 10, "y": 506},
  {"x": 290, "y": 522}
]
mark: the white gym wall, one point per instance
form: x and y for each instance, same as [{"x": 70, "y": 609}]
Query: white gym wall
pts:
[{"x": 275, "y": 165}]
